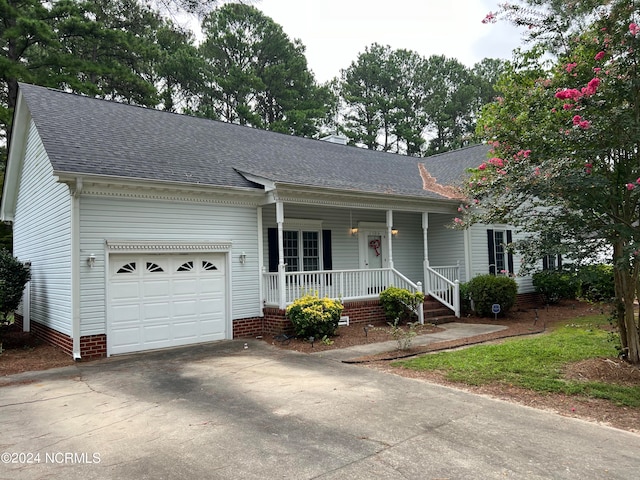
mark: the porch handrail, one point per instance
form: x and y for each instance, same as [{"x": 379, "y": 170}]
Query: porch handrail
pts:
[
  {"x": 354, "y": 284},
  {"x": 444, "y": 290}
]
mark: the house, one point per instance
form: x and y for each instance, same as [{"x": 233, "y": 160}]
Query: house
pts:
[{"x": 146, "y": 229}]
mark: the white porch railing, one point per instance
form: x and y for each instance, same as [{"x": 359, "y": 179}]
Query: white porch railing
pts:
[
  {"x": 442, "y": 284},
  {"x": 338, "y": 284}
]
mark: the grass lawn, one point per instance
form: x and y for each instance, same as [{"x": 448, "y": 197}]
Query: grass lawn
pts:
[{"x": 536, "y": 363}]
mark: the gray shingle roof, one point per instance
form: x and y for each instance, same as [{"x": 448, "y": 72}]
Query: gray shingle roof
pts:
[{"x": 83, "y": 135}]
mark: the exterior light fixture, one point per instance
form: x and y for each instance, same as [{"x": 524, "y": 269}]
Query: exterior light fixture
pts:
[
  {"x": 354, "y": 231},
  {"x": 394, "y": 231},
  {"x": 91, "y": 260},
  {"x": 243, "y": 258}
]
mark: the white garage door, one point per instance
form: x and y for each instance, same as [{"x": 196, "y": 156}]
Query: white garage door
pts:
[{"x": 159, "y": 301}]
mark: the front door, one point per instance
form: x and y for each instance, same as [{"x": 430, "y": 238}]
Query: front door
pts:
[{"x": 373, "y": 256}]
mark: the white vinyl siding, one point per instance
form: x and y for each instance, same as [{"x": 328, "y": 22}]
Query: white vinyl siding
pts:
[
  {"x": 42, "y": 235},
  {"x": 480, "y": 254},
  {"x": 104, "y": 218},
  {"x": 446, "y": 245}
]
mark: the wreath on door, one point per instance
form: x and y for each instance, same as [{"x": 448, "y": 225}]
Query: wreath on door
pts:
[{"x": 375, "y": 244}]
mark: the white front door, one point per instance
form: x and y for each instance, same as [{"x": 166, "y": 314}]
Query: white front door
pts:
[{"x": 374, "y": 256}]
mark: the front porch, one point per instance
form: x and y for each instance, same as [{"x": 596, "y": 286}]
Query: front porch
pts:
[
  {"x": 360, "y": 285},
  {"x": 349, "y": 250}
]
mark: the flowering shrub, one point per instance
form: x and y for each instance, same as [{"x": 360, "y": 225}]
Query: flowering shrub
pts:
[
  {"x": 399, "y": 303},
  {"x": 485, "y": 290},
  {"x": 312, "y": 316}
]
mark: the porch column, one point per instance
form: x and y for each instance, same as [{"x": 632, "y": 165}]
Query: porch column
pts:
[
  {"x": 389, "y": 236},
  {"x": 282, "y": 300},
  {"x": 425, "y": 243}
]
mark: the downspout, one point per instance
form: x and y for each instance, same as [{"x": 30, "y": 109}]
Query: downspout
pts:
[
  {"x": 261, "y": 268},
  {"x": 75, "y": 267},
  {"x": 282, "y": 301}
]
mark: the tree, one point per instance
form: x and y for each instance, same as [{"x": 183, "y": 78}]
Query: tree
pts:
[
  {"x": 256, "y": 75},
  {"x": 565, "y": 134}
]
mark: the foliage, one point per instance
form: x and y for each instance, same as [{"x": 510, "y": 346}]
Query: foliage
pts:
[
  {"x": 256, "y": 75},
  {"x": 316, "y": 317},
  {"x": 465, "y": 299},
  {"x": 565, "y": 132},
  {"x": 403, "y": 336},
  {"x": 13, "y": 278},
  {"x": 400, "y": 304},
  {"x": 536, "y": 363},
  {"x": 393, "y": 98},
  {"x": 596, "y": 283},
  {"x": 486, "y": 290},
  {"x": 556, "y": 285}
]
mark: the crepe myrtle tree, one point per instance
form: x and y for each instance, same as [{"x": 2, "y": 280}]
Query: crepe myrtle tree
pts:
[{"x": 565, "y": 161}]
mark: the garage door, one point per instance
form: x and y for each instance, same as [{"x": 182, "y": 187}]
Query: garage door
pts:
[{"x": 159, "y": 301}]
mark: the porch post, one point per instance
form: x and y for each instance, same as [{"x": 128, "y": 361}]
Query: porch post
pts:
[
  {"x": 389, "y": 235},
  {"x": 282, "y": 297},
  {"x": 425, "y": 243}
]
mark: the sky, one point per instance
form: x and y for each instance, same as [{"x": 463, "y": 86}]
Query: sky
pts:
[{"x": 334, "y": 32}]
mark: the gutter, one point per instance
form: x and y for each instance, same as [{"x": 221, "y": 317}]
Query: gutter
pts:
[{"x": 75, "y": 192}]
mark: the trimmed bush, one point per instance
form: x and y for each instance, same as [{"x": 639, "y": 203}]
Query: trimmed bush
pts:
[
  {"x": 596, "y": 283},
  {"x": 312, "y": 316},
  {"x": 399, "y": 303},
  {"x": 485, "y": 290},
  {"x": 556, "y": 285},
  {"x": 465, "y": 299}
]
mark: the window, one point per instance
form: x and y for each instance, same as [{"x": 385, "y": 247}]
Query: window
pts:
[
  {"x": 552, "y": 262},
  {"x": 500, "y": 259},
  {"x": 128, "y": 268},
  {"x": 305, "y": 254},
  {"x": 305, "y": 249}
]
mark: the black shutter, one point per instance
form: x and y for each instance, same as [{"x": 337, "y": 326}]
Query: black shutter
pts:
[
  {"x": 545, "y": 262},
  {"x": 492, "y": 252},
  {"x": 327, "y": 257},
  {"x": 509, "y": 249},
  {"x": 559, "y": 262},
  {"x": 272, "y": 240}
]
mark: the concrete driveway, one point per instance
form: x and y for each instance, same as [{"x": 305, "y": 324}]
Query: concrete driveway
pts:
[{"x": 224, "y": 412}]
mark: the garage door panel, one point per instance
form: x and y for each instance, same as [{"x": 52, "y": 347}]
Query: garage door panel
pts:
[
  {"x": 125, "y": 291},
  {"x": 172, "y": 300}
]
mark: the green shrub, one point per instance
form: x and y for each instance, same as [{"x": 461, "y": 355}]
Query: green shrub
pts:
[
  {"x": 485, "y": 290},
  {"x": 596, "y": 283},
  {"x": 465, "y": 299},
  {"x": 312, "y": 316},
  {"x": 399, "y": 303},
  {"x": 555, "y": 285},
  {"x": 13, "y": 278}
]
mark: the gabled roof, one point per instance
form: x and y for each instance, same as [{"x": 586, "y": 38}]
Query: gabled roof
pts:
[{"x": 88, "y": 136}]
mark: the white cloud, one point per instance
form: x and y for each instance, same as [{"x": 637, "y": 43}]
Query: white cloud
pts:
[{"x": 336, "y": 31}]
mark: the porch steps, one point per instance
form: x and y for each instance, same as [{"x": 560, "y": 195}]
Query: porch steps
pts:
[{"x": 437, "y": 313}]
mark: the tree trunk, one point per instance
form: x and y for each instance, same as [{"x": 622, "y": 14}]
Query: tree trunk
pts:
[{"x": 626, "y": 283}]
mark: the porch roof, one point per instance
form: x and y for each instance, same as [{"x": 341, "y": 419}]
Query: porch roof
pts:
[{"x": 88, "y": 136}]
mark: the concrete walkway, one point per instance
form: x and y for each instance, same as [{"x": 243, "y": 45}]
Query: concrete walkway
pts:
[{"x": 451, "y": 331}]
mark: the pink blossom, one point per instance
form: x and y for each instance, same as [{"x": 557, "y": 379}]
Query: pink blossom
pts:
[
  {"x": 536, "y": 171},
  {"x": 489, "y": 18},
  {"x": 596, "y": 69},
  {"x": 457, "y": 220},
  {"x": 476, "y": 201},
  {"x": 630, "y": 186},
  {"x": 591, "y": 87},
  {"x": 459, "y": 209},
  {"x": 568, "y": 93},
  {"x": 599, "y": 55},
  {"x": 584, "y": 124},
  {"x": 588, "y": 165},
  {"x": 482, "y": 167},
  {"x": 502, "y": 172},
  {"x": 567, "y": 106},
  {"x": 634, "y": 28},
  {"x": 496, "y": 162},
  {"x": 570, "y": 67},
  {"x": 577, "y": 119},
  {"x": 638, "y": 181}
]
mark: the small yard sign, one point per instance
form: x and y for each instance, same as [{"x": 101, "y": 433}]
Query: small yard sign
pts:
[{"x": 495, "y": 308}]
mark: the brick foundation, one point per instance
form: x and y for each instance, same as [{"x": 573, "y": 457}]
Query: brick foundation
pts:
[
  {"x": 248, "y": 327},
  {"x": 91, "y": 346}
]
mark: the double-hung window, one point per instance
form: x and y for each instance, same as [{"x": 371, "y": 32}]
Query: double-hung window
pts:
[
  {"x": 500, "y": 259},
  {"x": 306, "y": 246},
  {"x": 301, "y": 250}
]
